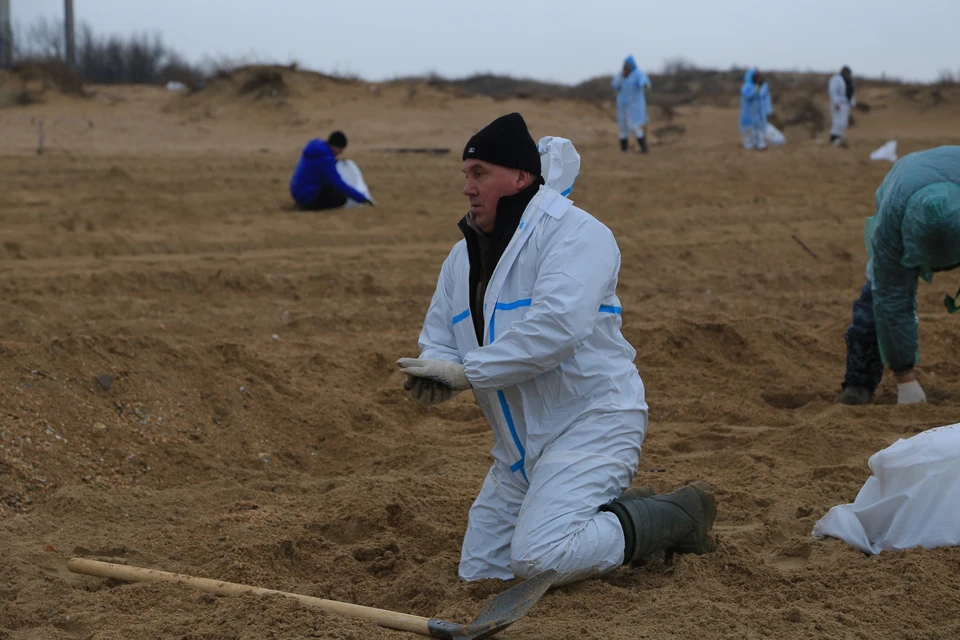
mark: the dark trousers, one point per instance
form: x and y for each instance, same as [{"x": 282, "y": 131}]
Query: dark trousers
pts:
[
  {"x": 864, "y": 364},
  {"x": 327, "y": 198}
]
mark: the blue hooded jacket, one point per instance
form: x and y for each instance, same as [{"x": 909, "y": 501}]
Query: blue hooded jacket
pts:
[
  {"x": 755, "y": 104},
  {"x": 631, "y": 100},
  {"x": 316, "y": 169}
]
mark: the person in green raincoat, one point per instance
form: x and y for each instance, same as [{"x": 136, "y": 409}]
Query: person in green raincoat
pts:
[{"x": 914, "y": 234}]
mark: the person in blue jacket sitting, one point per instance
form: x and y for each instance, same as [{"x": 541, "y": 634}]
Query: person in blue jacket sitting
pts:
[{"x": 316, "y": 184}]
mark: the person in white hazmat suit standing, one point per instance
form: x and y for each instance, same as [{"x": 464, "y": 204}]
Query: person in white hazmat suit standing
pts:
[
  {"x": 631, "y": 87},
  {"x": 842, "y": 100},
  {"x": 526, "y": 315}
]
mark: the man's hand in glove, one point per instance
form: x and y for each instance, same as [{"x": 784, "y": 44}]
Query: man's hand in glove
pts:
[
  {"x": 909, "y": 390},
  {"x": 449, "y": 374},
  {"x": 428, "y": 392},
  {"x": 910, "y": 393}
]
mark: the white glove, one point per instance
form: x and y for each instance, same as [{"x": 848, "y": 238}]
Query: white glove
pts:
[
  {"x": 428, "y": 392},
  {"x": 910, "y": 393},
  {"x": 449, "y": 374}
]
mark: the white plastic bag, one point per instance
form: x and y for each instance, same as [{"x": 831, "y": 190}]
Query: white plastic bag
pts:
[
  {"x": 351, "y": 174},
  {"x": 559, "y": 163},
  {"x": 911, "y": 500},
  {"x": 173, "y": 85},
  {"x": 775, "y": 137},
  {"x": 886, "y": 152}
]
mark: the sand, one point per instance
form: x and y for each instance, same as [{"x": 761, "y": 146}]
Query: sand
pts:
[{"x": 252, "y": 427}]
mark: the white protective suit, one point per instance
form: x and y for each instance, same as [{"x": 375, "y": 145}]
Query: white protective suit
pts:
[
  {"x": 556, "y": 380},
  {"x": 839, "y": 106}
]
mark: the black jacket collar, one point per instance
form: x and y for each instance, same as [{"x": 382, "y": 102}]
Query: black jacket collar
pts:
[
  {"x": 485, "y": 250},
  {"x": 509, "y": 211}
]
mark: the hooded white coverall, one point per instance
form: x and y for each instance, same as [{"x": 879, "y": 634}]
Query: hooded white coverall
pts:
[
  {"x": 839, "y": 106},
  {"x": 556, "y": 380}
]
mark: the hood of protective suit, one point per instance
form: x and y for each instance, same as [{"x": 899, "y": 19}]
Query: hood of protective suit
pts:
[
  {"x": 748, "y": 87},
  {"x": 918, "y": 201},
  {"x": 931, "y": 229},
  {"x": 630, "y": 62},
  {"x": 559, "y": 163}
]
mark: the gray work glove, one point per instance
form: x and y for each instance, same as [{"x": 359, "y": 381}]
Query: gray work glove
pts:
[
  {"x": 910, "y": 393},
  {"x": 428, "y": 392},
  {"x": 431, "y": 382}
]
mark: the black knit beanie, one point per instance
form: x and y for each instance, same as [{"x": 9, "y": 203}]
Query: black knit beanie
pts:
[
  {"x": 337, "y": 139},
  {"x": 505, "y": 142}
]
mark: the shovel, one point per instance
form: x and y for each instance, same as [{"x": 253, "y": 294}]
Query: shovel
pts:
[{"x": 498, "y": 614}]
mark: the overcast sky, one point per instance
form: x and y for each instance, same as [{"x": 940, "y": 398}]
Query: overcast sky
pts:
[{"x": 561, "y": 40}]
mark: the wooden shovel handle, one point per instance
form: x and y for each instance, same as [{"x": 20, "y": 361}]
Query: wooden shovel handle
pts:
[{"x": 384, "y": 618}]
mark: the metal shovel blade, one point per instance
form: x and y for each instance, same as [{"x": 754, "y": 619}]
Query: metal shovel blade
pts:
[{"x": 505, "y": 609}]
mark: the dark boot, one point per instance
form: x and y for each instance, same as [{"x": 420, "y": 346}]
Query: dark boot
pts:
[
  {"x": 623, "y": 145},
  {"x": 677, "y": 522},
  {"x": 855, "y": 396},
  {"x": 643, "y": 144},
  {"x": 642, "y": 492},
  {"x": 639, "y": 492}
]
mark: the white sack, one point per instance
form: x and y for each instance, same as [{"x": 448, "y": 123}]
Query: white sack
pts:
[
  {"x": 351, "y": 174},
  {"x": 775, "y": 137},
  {"x": 886, "y": 152},
  {"x": 912, "y": 499}
]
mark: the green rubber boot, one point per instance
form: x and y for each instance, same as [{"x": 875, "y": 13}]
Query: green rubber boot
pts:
[
  {"x": 639, "y": 492},
  {"x": 678, "y": 522}
]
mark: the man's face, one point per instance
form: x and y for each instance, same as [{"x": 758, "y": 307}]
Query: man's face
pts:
[
  {"x": 758, "y": 77},
  {"x": 485, "y": 184},
  {"x": 336, "y": 151}
]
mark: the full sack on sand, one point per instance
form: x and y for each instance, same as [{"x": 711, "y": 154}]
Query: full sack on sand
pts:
[{"x": 911, "y": 500}]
